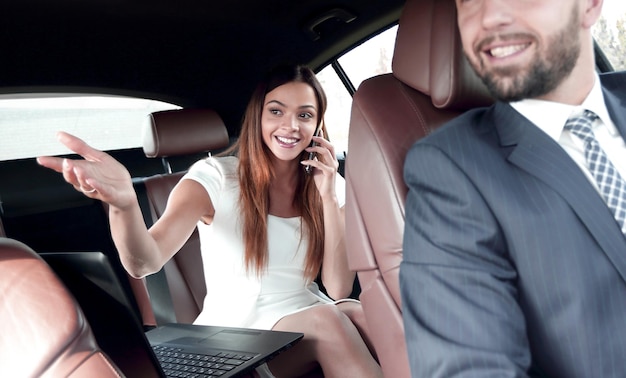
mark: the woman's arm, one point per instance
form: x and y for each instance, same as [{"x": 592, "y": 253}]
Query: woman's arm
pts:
[
  {"x": 336, "y": 276},
  {"x": 338, "y": 279},
  {"x": 144, "y": 251},
  {"x": 101, "y": 177}
]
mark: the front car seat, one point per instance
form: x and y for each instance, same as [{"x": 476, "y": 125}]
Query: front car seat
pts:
[
  {"x": 43, "y": 331},
  {"x": 430, "y": 83}
]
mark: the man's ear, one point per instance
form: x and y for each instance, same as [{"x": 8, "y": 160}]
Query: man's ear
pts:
[{"x": 591, "y": 13}]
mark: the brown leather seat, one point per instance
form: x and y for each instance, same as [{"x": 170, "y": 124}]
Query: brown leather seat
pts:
[
  {"x": 43, "y": 332},
  {"x": 431, "y": 82},
  {"x": 172, "y": 133}
]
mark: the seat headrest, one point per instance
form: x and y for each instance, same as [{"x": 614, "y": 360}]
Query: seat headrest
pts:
[
  {"x": 429, "y": 57},
  {"x": 183, "y": 131}
]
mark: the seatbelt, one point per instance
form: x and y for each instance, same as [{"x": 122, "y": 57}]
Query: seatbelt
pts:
[{"x": 158, "y": 288}]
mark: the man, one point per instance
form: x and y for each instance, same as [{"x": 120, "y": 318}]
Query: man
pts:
[{"x": 514, "y": 263}]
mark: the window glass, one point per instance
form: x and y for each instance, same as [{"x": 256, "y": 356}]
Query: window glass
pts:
[
  {"x": 371, "y": 58},
  {"x": 610, "y": 32},
  {"x": 338, "y": 111},
  {"x": 28, "y": 126}
]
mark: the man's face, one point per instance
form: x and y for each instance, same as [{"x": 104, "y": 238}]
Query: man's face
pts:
[{"x": 520, "y": 49}]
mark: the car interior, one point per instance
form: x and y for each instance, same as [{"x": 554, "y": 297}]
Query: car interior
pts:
[{"x": 205, "y": 58}]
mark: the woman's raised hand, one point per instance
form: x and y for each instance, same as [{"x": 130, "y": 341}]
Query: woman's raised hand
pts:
[
  {"x": 98, "y": 176},
  {"x": 326, "y": 164}
]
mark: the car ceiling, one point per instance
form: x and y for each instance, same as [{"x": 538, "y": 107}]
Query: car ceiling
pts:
[{"x": 195, "y": 53}]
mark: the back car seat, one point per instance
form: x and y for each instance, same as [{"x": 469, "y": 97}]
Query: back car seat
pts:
[{"x": 174, "y": 133}]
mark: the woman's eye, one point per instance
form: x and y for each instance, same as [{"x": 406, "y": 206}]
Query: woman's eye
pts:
[
  {"x": 306, "y": 115},
  {"x": 275, "y": 112}
]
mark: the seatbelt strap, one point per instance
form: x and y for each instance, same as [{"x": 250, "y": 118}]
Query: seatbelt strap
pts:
[{"x": 158, "y": 288}]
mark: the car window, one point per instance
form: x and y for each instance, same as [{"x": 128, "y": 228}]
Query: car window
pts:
[
  {"x": 610, "y": 32},
  {"x": 28, "y": 124},
  {"x": 371, "y": 58}
]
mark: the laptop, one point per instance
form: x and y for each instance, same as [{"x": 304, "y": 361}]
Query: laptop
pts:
[{"x": 208, "y": 351}]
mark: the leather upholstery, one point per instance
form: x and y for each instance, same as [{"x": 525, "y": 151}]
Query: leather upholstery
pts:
[
  {"x": 182, "y": 132},
  {"x": 43, "y": 331},
  {"x": 184, "y": 272},
  {"x": 431, "y": 83},
  {"x": 169, "y": 133}
]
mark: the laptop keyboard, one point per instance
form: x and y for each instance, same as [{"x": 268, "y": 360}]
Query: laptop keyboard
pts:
[{"x": 177, "y": 363}]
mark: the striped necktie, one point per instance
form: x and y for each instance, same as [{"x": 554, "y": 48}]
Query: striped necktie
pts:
[{"x": 612, "y": 186}]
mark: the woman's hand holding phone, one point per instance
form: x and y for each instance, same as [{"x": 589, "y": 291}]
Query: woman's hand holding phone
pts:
[{"x": 309, "y": 168}]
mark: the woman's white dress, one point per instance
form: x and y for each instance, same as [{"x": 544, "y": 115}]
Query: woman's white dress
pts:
[{"x": 235, "y": 297}]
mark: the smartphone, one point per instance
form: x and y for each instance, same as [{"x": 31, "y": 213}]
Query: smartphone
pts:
[{"x": 309, "y": 168}]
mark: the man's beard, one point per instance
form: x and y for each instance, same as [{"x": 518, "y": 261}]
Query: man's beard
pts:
[{"x": 545, "y": 73}]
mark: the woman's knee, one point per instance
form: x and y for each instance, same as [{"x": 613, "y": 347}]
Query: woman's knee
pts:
[
  {"x": 354, "y": 311},
  {"x": 331, "y": 322}
]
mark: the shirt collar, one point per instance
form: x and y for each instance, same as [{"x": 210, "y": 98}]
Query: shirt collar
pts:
[
  {"x": 551, "y": 116},
  {"x": 595, "y": 103}
]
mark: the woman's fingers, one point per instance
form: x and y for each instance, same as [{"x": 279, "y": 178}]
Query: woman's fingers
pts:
[
  {"x": 325, "y": 153},
  {"x": 80, "y": 147},
  {"x": 76, "y": 145},
  {"x": 54, "y": 163},
  {"x": 320, "y": 141},
  {"x": 325, "y": 160},
  {"x": 98, "y": 175},
  {"x": 76, "y": 172},
  {"x": 64, "y": 166},
  {"x": 70, "y": 173}
]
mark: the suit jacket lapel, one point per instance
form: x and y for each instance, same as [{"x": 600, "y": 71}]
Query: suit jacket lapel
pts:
[
  {"x": 539, "y": 155},
  {"x": 616, "y": 108}
]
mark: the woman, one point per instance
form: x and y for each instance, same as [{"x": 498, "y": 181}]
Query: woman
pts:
[{"x": 267, "y": 227}]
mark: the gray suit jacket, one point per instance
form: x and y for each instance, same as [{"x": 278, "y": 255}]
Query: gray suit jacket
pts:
[{"x": 513, "y": 265}]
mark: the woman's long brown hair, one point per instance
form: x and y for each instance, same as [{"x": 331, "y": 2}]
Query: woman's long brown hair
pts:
[{"x": 256, "y": 171}]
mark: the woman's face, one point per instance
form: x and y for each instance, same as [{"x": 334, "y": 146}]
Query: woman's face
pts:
[{"x": 288, "y": 119}]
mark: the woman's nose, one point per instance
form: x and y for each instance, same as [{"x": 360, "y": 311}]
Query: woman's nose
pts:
[{"x": 295, "y": 123}]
